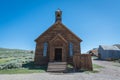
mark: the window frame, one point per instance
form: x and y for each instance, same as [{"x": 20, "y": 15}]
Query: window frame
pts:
[
  {"x": 45, "y": 48},
  {"x": 70, "y": 49}
]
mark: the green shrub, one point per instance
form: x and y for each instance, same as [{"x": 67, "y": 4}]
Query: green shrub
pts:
[
  {"x": 11, "y": 65},
  {"x": 20, "y": 57}
]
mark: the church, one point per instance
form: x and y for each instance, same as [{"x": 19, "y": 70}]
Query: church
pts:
[{"x": 57, "y": 43}]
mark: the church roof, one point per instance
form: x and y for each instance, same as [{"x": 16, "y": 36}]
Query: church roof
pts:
[{"x": 58, "y": 22}]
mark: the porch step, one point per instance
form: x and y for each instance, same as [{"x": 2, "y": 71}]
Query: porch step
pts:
[{"x": 57, "y": 66}]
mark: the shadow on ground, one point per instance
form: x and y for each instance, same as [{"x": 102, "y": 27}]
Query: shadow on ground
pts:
[{"x": 32, "y": 66}]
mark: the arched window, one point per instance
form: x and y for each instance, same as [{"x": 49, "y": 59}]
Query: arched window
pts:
[
  {"x": 70, "y": 49},
  {"x": 45, "y": 49}
]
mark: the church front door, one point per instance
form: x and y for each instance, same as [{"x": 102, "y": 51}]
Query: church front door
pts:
[{"x": 58, "y": 54}]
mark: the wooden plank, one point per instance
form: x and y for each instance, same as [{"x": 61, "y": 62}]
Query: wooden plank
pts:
[
  {"x": 82, "y": 61},
  {"x": 57, "y": 66}
]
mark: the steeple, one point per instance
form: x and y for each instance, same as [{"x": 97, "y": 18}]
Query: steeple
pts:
[{"x": 58, "y": 15}]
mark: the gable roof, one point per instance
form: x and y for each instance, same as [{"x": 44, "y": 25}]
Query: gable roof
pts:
[
  {"x": 106, "y": 47},
  {"x": 58, "y": 22}
]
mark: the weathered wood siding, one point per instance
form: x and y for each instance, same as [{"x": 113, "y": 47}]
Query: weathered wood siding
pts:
[
  {"x": 82, "y": 61},
  {"x": 47, "y": 36}
]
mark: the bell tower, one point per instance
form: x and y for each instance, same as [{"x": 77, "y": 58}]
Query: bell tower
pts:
[{"x": 58, "y": 15}]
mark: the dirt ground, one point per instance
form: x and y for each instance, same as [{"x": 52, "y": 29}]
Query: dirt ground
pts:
[{"x": 111, "y": 71}]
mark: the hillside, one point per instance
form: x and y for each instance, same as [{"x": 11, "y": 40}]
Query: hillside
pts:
[
  {"x": 5, "y": 52},
  {"x": 14, "y": 58}
]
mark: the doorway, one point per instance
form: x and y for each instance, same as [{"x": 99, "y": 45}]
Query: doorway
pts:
[{"x": 58, "y": 54}]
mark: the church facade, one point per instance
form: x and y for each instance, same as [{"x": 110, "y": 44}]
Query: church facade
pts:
[{"x": 57, "y": 44}]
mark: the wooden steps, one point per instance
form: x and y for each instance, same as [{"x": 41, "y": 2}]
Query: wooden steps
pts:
[{"x": 57, "y": 66}]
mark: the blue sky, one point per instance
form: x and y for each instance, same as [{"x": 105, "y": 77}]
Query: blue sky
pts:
[{"x": 94, "y": 21}]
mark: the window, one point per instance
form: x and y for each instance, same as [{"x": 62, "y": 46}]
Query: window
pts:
[
  {"x": 45, "y": 49},
  {"x": 70, "y": 49}
]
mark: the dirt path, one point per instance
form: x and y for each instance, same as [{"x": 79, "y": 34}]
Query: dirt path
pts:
[{"x": 111, "y": 71}]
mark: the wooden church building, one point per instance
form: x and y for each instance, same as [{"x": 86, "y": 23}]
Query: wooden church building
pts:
[{"x": 56, "y": 44}]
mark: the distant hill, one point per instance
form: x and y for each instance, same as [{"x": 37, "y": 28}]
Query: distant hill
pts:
[
  {"x": 15, "y": 58},
  {"x": 7, "y": 49},
  {"x": 5, "y": 52}
]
